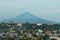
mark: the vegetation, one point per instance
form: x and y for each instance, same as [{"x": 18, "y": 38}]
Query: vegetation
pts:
[
  {"x": 42, "y": 27},
  {"x": 29, "y": 26}
]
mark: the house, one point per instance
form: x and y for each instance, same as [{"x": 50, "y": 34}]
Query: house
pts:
[
  {"x": 38, "y": 24},
  {"x": 19, "y": 24}
]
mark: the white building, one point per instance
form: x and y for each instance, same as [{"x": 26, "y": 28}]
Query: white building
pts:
[
  {"x": 38, "y": 24},
  {"x": 11, "y": 32},
  {"x": 19, "y": 24}
]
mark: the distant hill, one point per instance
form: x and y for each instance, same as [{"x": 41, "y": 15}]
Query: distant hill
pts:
[{"x": 27, "y": 17}]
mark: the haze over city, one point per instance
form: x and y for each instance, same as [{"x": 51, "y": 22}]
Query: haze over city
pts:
[
  {"x": 29, "y": 19},
  {"x": 46, "y": 9}
]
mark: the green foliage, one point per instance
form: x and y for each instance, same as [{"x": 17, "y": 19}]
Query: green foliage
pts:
[{"x": 53, "y": 39}]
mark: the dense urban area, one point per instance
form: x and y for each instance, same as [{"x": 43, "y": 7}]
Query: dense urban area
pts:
[{"x": 29, "y": 31}]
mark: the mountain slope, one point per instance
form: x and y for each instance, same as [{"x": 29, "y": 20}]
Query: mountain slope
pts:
[{"x": 27, "y": 17}]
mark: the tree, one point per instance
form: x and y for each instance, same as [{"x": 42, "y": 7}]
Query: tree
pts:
[{"x": 53, "y": 39}]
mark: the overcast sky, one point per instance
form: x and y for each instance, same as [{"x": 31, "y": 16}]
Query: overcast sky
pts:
[{"x": 46, "y": 9}]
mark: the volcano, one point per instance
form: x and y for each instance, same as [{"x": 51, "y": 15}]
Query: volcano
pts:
[{"x": 27, "y": 17}]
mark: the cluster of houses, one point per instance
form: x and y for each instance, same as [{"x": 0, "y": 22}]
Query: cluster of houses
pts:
[{"x": 33, "y": 35}]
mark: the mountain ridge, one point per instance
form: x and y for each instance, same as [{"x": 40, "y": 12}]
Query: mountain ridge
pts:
[{"x": 27, "y": 17}]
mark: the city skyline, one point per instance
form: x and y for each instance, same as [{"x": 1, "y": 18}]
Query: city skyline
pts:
[{"x": 46, "y": 9}]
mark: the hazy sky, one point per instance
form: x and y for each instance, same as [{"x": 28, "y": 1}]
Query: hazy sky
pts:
[{"x": 47, "y": 9}]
